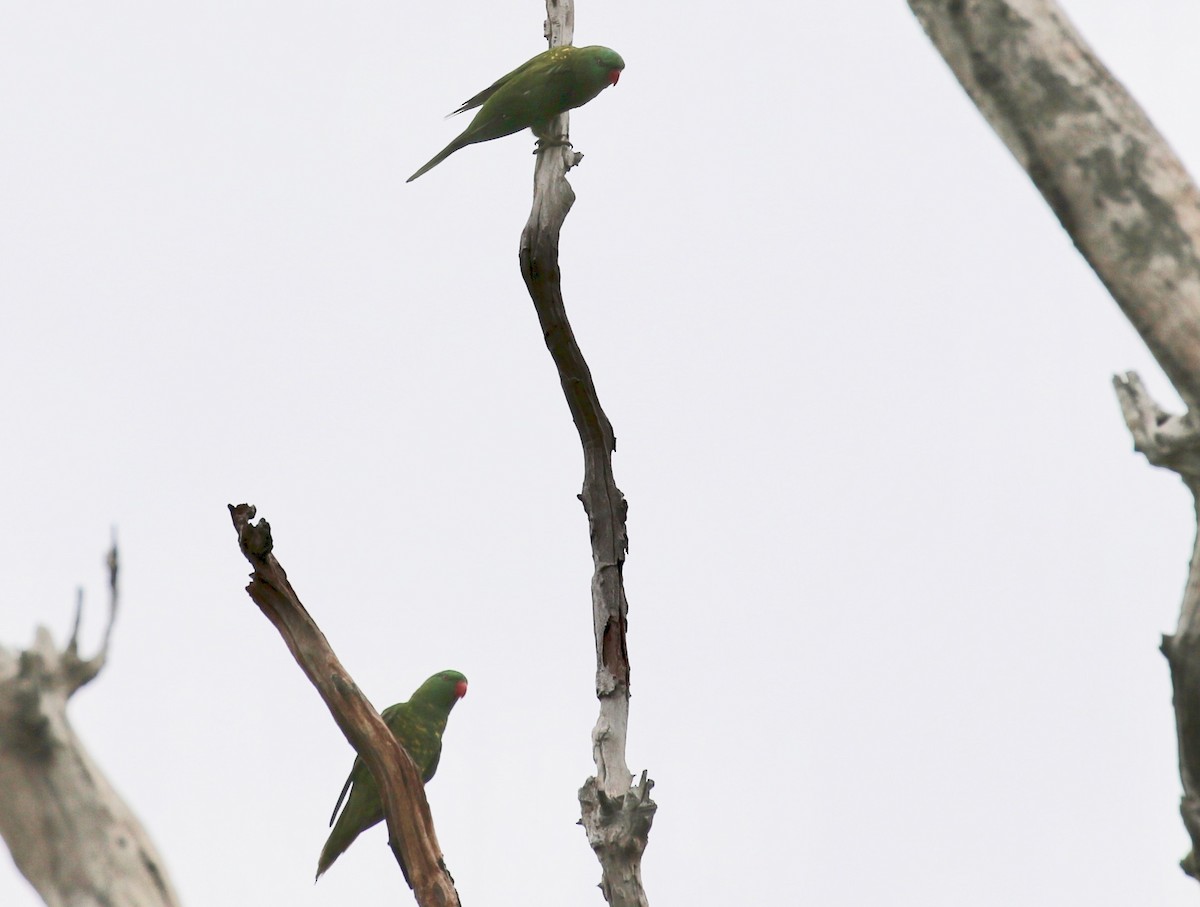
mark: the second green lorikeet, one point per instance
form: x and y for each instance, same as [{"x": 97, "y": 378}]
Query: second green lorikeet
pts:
[
  {"x": 533, "y": 94},
  {"x": 418, "y": 724}
]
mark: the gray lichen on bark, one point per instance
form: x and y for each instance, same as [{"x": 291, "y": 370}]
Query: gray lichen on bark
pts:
[
  {"x": 1118, "y": 189},
  {"x": 1133, "y": 212}
]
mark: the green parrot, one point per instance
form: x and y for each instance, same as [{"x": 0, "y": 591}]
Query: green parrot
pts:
[
  {"x": 418, "y": 724},
  {"x": 533, "y": 94}
]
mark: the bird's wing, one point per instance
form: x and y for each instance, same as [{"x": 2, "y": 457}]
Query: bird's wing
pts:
[
  {"x": 478, "y": 100},
  {"x": 342, "y": 796},
  {"x": 391, "y": 710},
  {"x": 552, "y": 60},
  {"x": 431, "y": 769}
]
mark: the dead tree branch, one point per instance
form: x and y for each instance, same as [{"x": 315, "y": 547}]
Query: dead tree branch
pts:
[
  {"x": 1118, "y": 189},
  {"x": 1134, "y": 213},
  {"x": 615, "y": 815},
  {"x": 410, "y": 824},
  {"x": 70, "y": 834},
  {"x": 1173, "y": 442}
]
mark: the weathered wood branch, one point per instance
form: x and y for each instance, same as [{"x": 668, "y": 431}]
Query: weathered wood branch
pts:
[
  {"x": 1118, "y": 189},
  {"x": 1173, "y": 442},
  {"x": 70, "y": 834},
  {"x": 1132, "y": 210},
  {"x": 410, "y": 824},
  {"x": 616, "y": 816}
]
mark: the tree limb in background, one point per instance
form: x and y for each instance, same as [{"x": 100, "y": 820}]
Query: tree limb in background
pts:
[
  {"x": 1173, "y": 442},
  {"x": 1132, "y": 210},
  {"x": 410, "y": 823},
  {"x": 1110, "y": 177},
  {"x": 616, "y": 815},
  {"x": 69, "y": 832}
]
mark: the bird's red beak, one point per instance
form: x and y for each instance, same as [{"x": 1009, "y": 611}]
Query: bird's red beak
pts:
[
  {"x": 460, "y": 690},
  {"x": 613, "y": 75}
]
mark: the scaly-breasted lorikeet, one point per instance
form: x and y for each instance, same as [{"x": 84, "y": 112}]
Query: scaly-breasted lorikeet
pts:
[
  {"x": 418, "y": 724},
  {"x": 533, "y": 94}
]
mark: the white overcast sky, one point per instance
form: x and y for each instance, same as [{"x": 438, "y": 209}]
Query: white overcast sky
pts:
[{"x": 897, "y": 578}]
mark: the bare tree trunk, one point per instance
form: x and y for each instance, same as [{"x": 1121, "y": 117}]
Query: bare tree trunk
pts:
[
  {"x": 615, "y": 813},
  {"x": 1134, "y": 213},
  {"x": 70, "y": 834},
  {"x": 410, "y": 824}
]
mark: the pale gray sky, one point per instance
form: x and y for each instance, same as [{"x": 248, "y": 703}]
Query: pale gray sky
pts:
[{"x": 897, "y": 579}]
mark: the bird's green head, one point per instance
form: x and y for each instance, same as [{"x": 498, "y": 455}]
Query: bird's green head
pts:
[
  {"x": 443, "y": 690},
  {"x": 605, "y": 61}
]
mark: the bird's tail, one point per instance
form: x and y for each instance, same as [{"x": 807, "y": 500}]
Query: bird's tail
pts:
[
  {"x": 334, "y": 847},
  {"x": 438, "y": 158},
  {"x": 345, "y": 830}
]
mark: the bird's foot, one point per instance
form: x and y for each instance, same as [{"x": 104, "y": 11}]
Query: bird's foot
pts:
[{"x": 556, "y": 142}]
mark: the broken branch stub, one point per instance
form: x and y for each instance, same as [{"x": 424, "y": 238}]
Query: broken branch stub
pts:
[{"x": 409, "y": 821}]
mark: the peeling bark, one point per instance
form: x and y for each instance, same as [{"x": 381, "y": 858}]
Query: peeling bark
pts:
[
  {"x": 70, "y": 834},
  {"x": 616, "y": 816},
  {"x": 410, "y": 823}
]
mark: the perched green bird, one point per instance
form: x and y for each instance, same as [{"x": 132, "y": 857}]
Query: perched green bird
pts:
[
  {"x": 418, "y": 724},
  {"x": 533, "y": 94}
]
